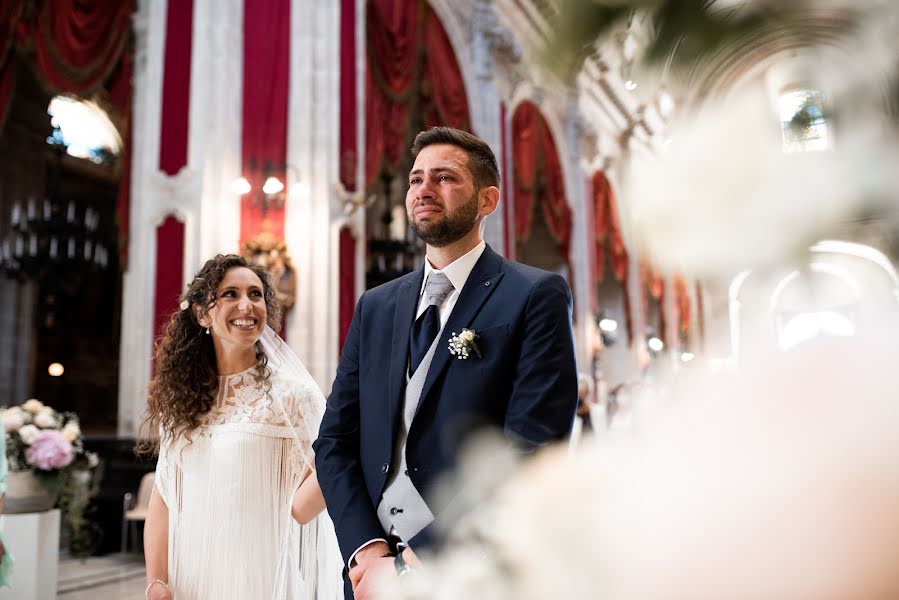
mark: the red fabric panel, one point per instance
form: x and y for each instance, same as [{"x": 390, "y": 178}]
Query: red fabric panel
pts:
[
  {"x": 538, "y": 176},
  {"x": 169, "y": 271},
  {"x": 347, "y": 281},
  {"x": 176, "y": 86},
  {"x": 682, "y": 303},
  {"x": 443, "y": 77},
  {"x": 78, "y": 43},
  {"x": 348, "y": 103},
  {"x": 556, "y": 212},
  {"x": 524, "y": 168},
  {"x": 393, "y": 29},
  {"x": 506, "y": 186},
  {"x": 266, "y": 71},
  {"x": 607, "y": 230}
]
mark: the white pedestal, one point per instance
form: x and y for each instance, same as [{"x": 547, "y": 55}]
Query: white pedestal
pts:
[{"x": 33, "y": 540}]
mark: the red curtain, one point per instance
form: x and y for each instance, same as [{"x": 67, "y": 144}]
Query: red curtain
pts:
[
  {"x": 266, "y": 72},
  {"x": 176, "y": 86},
  {"x": 610, "y": 241},
  {"x": 653, "y": 287},
  {"x": 78, "y": 43},
  {"x": 682, "y": 304},
  {"x": 538, "y": 177},
  {"x": 348, "y": 104},
  {"x": 347, "y": 281},
  {"x": 169, "y": 271},
  {"x": 442, "y": 77},
  {"x": 411, "y": 67}
]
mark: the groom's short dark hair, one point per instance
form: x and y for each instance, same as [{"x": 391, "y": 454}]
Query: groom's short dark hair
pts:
[{"x": 481, "y": 160}]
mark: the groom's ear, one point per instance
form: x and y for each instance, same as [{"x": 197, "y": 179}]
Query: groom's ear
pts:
[{"x": 488, "y": 200}]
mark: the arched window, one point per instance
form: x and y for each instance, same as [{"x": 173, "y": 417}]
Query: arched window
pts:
[{"x": 84, "y": 128}]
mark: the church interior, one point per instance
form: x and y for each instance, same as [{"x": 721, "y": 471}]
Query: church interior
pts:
[{"x": 715, "y": 179}]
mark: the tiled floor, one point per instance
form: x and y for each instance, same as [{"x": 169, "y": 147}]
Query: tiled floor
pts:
[{"x": 113, "y": 577}]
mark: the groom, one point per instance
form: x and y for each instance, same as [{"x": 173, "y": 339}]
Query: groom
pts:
[{"x": 468, "y": 340}]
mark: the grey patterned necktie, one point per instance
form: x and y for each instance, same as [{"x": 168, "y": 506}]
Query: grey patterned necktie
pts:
[{"x": 427, "y": 326}]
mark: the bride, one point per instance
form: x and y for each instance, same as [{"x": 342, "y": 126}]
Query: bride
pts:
[{"x": 236, "y": 511}]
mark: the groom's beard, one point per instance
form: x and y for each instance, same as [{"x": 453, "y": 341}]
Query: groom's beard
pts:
[{"x": 452, "y": 227}]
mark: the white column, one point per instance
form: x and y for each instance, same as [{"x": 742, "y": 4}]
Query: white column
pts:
[
  {"x": 216, "y": 102},
  {"x": 138, "y": 279},
  {"x": 314, "y": 213},
  {"x": 199, "y": 195}
]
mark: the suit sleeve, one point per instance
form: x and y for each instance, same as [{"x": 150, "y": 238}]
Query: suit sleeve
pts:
[
  {"x": 544, "y": 392},
  {"x": 337, "y": 453}
]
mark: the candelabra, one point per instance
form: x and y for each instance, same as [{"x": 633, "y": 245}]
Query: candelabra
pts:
[{"x": 52, "y": 235}]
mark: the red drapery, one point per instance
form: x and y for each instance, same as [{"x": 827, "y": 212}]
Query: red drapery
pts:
[
  {"x": 508, "y": 225},
  {"x": 77, "y": 44},
  {"x": 176, "y": 86},
  {"x": 347, "y": 281},
  {"x": 169, "y": 261},
  {"x": 610, "y": 241},
  {"x": 348, "y": 103},
  {"x": 266, "y": 71},
  {"x": 682, "y": 304},
  {"x": 538, "y": 177},
  {"x": 654, "y": 287},
  {"x": 411, "y": 67}
]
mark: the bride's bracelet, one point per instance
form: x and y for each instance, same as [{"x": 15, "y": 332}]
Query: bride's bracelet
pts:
[{"x": 152, "y": 583}]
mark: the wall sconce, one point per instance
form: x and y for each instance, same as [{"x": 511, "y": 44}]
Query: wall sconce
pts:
[
  {"x": 654, "y": 344},
  {"x": 608, "y": 328},
  {"x": 272, "y": 193}
]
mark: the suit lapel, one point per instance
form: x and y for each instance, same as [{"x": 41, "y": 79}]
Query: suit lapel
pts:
[
  {"x": 403, "y": 317},
  {"x": 480, "y": 285}
]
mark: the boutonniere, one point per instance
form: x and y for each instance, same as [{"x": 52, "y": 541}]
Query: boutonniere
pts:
[{"x": 461, "y": 345}]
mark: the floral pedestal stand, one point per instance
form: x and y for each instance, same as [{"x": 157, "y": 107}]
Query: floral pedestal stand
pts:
[{"x": 34, "y": 541}]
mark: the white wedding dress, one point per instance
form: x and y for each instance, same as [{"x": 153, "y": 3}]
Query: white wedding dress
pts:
[{"x": 229, "y": 491}]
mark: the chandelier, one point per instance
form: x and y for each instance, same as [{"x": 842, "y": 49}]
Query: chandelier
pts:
[{"x": 52, "y": 236}]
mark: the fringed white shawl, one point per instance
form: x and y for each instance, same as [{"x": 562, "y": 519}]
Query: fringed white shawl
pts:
[{"x": 230, "y": 487}]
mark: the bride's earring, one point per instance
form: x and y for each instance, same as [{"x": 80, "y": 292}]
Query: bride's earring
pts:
[{"x": 207, "y": 331}]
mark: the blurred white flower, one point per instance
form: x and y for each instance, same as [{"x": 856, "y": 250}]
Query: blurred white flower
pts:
[
  {"x": 45, "y": 419},
  {"x": 71, "y": 431},
  {"x": 777, "y": 480},
  {"x": 13, "y": 419},
  {"x": 29, "y": 433},
  {"x": 33, "y": 405}
]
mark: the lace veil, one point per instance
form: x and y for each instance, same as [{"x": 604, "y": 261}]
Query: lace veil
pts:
[{"x": 320, "y": 560}]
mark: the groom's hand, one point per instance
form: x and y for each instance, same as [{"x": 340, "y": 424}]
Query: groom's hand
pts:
[
  {"x": 366, "y": 575},
  {"x": 369, "y": 553}
]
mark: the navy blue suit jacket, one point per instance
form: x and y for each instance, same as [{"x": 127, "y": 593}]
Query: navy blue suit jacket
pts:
[{"x": 524, "y": 383}]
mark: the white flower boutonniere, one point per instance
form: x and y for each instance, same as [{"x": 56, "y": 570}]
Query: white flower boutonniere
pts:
[{"x": 461, "y": 345}]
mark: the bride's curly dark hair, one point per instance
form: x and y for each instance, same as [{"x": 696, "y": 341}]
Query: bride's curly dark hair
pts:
[{"x": 186, "y": 378}]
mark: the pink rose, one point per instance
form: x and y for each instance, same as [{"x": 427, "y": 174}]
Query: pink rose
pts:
[{"x": 50, "y": 451}]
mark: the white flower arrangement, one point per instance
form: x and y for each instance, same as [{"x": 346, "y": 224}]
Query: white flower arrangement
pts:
[{"x": 462, "y": 344}]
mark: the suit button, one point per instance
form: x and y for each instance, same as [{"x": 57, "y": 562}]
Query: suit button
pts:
[{"x": 384, "y": 468}]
